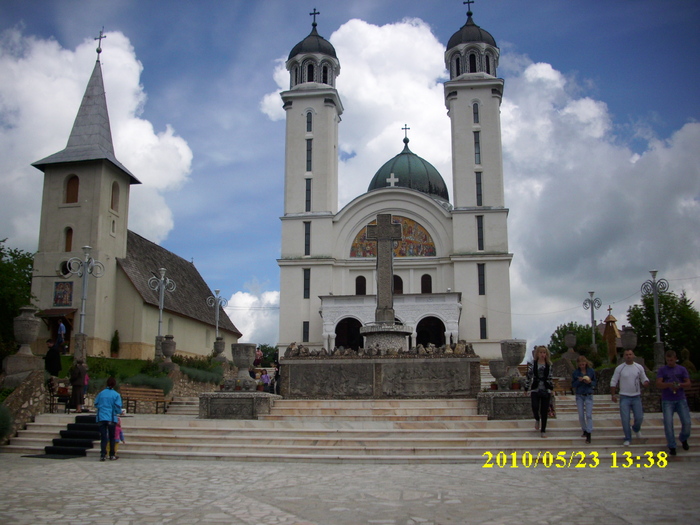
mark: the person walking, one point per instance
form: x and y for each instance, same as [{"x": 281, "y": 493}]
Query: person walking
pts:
[
  {"x": 631, "y": 377},
  {"x": 583, "y": 382},
  {"x": 108, "y": 404},
  {"x": 52, "y": 359},
  {"x": 541, "y": 386},
  {"x": 672, "y": 379},
  {"x": 76, "y": 376}
]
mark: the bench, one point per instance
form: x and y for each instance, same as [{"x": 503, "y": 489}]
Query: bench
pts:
[
  {"x": 131, "y": 395},
  {"x": 562, "y": 386}
]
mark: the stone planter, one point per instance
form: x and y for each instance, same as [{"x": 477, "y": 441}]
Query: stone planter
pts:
[
  {"x": 26, "y": 328},
  {"x": 513, "y": 352},
  {"x": 497, "y": 367},
  {"x": 219, "y": 347},
  {"x": 243, "y": 356},
  {"x": 168, "y": 347}
]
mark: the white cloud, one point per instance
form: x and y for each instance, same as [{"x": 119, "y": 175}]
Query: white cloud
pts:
[
  {"x": 256, "y": 315},
  {"x": 40, "y": 91}
]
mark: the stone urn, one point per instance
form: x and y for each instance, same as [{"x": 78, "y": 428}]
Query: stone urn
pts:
[
  {"x": 219, "y": 347},
  {"x": 243, "y": 356},
  {"x": 628, "y": 338},
  {"x": 513, "y": 352},
  {"x": 26, "y": 329},
  {"x": 497, "y": 367},
  {"x": 168, "y": 346},
  {"x": 570, "y": 340}
]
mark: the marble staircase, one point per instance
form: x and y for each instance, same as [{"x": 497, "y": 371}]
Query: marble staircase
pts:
[{"x": 385, "y": 431}]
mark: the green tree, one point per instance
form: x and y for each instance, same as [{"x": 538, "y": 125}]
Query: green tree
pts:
[
  {"x": 679, "y": 325},
  {"x": 15, "y": 289},
  {"x": 557, "y": 346},
  {"x": 269, "y": 355}
]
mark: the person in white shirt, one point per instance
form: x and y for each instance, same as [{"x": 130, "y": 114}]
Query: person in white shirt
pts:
[{"x": 631, "y": 378}]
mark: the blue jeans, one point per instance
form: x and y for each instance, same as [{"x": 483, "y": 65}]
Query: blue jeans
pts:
[
  {"x": 107, "y": 429},
  {"x": 633, "y": 403},
  {"x": 668, "y": 408},
  {"x": 585, "y": 412}
]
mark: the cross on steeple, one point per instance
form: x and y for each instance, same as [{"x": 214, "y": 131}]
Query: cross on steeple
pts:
[
  {"x": 314, "y": 13},
  {"x": 405, "y": 130},
  {"x": 609, "y": 309},
  {"x": 469, "y": 3},
  {"x": 99, "y": 44}
]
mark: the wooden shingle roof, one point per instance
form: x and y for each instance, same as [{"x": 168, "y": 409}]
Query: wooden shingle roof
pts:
[{"x": 142, "y": 261}]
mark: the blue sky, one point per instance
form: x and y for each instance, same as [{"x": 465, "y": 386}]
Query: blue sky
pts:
[{"x": 600, "y": 131}]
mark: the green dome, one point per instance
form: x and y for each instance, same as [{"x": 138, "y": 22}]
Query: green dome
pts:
[{"x": 410, "y": 171}]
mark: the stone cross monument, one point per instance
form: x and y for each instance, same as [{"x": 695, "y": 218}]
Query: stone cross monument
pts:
[{"x": 385, "y": 233}]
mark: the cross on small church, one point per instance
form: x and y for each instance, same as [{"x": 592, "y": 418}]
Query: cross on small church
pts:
[
  {"x": 99, "y": 44},
  {"x": 385, "y": 233},
  {"x": 314, "y": 15},
  {"x": 609, "y": 309}
]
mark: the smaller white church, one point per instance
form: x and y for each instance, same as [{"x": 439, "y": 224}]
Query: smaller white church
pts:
[
  {"x": 451, "y": 269},
  {"x": 86, "y": 203}
]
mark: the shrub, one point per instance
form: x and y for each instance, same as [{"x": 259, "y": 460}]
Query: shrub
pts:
[
  {"x": 200, "y": 363},
  {"x": 5, "y": 422},
  {"x": 164, "y": 382},
  {"x": 203, "y": 376},
  {"x": 4, "y": 393}
]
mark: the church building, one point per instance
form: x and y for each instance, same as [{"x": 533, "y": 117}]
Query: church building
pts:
[
  {"x": 451, "y": 269},
  {"x": 85, "y": 203}
]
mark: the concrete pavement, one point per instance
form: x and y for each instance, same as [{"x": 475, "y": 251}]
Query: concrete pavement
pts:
[{"x": 127, "y": 492}]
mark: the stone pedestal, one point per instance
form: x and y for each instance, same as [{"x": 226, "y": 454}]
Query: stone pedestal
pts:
[
  {"x": 513, "y": 352},
  {"x": 235, "y": 405},
  {"x": 243, "y": 356},
  {"x": 504, "y": 405},
  {"x": 386, "y": 335},
  {"x": 26, "y": 328},
  {"x": 159, "y": 348},
  {"x": 659, "y": 358},
  {"x": 80, "y": 347}
]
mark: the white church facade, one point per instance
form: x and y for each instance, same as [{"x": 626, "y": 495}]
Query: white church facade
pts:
[{"x": 451, "y": 269}]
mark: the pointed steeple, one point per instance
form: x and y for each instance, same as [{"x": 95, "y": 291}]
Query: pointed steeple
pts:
[{"x": 91, "y": 136}]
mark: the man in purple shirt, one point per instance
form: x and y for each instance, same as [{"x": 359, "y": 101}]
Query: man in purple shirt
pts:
[{"x": 671, "y": 380}]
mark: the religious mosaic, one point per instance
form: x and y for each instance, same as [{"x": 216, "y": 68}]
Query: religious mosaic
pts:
[
  {"x": 416, "y": 241},
  {"x": 63, "y": 293}
]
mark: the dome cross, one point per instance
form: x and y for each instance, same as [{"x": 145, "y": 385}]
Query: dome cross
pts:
[
  {"x": 314, "y": 13},
  {"x": 469, "y": 3}
]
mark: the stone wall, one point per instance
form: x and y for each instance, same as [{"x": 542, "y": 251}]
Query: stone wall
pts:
[
  {"x": 183, "y": 386},
  {"x": 26, "y": 402}
]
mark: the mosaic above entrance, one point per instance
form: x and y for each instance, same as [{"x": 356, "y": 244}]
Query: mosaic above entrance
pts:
[{"x": 416, "y": 241}]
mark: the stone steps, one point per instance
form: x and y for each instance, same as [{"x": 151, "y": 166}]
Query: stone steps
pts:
[
  {"x": 337, "y": 438},
  {"x": 184, "y": 406}
]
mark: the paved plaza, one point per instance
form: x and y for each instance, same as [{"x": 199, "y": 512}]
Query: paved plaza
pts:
[{"x": 125, "y": 492}]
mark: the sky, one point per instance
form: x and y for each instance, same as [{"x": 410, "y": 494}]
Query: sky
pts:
[{"x": 600, "y": 124}]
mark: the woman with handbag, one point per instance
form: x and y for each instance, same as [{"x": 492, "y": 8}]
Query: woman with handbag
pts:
[{"x": 540, "y": 384}]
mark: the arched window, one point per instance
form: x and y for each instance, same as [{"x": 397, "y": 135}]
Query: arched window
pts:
[
  {"x": 296, "y": 75},
  {"x": 72, "y": 187},
  {"x": 310, "y": 73},
  {"x": 398, "y": 285},
  {"x": 426, "y": 284},
  {"x": 360, "y": 285},
  {"x": 114, "y": 204},
  {"x": 472, "y": 63},
  {"x": 325, "y": 74},
  {"x": 458, "y": 66},
  {"x": 309, "y": 122},
  {"x": 68, "y": 238},
  {"x": 475, "y": 111},
  {"x": 488, "y": 64}
]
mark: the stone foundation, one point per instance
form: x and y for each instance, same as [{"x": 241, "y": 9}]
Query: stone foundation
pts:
[
  {"x": 377, "y": 378},
  {"x": 235, "y": 405},
  {"x": 504, "y": 405}
]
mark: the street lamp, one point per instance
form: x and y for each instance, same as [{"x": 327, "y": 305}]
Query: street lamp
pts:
[
  {"x": 593, "y": 304},
  {"x": 161, "y": 285},
  {"x": 82, "y": 268},
  {"x": 216, "y": 302},
  {"x": 652, "y": 286}
]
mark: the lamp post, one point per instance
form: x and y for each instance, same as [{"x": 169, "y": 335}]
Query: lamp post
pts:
[
  {"x": 652, "y": 286},
  {"x": 82, "y": 268},
  {"x": 592, "y": 304},
  {"x": 161, "y": 285},
  {"x": 216, "y": 302}
]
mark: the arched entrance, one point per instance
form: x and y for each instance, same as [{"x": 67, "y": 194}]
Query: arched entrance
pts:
[
  {"x": 430, "y": 330},
  {"x": 347, "y": 334}
]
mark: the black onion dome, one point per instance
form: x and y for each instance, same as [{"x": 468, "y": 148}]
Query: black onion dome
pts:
[
  {"x": 314, "y": 43},
  {"x": 470, "y": 32},
  {"x": 410, "y": 171}
]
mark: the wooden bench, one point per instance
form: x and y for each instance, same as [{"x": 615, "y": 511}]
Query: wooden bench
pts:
[
  {"x": 131, "y": 395},
  {"x": 562, "y": 386}
]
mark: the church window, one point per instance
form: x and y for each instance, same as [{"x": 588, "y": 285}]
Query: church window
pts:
[
  {"x": 296, "y": 75},
  {"x": 307, "y": 198},
  {"x": 482, "y": 328},
  {"x": 307, "y": 283},
  {"x": 475, "y": 112},
  {"x": 114, "y": 227},
  {"x": 458, "y": 66},
  {"x": 72, "y": 187},
  {"x": 325, "y": 74},
  {"x": 477, "y": 147},
  {"x": 114, "y": 203},
  {"x": 309, "y": 148},
  {"x": 360, "y": 285},
  {"x": 68, "y": 244},
  {"x": 481, "y": 270},
  {"x": 305, "y": 332},
  {"x": 488, "y": 64},
  {"x": 307, "y": 238},
  {"x": 310, "y": 73},
  {"x": 472, "y": 63},
  {"x": 479, "y": 191},
  {"x": 480, "y": 232},
  {"x": 309, "y": 122},
  {"x": 426, "y": 284},
  {"x": 398, "y": 285}
]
